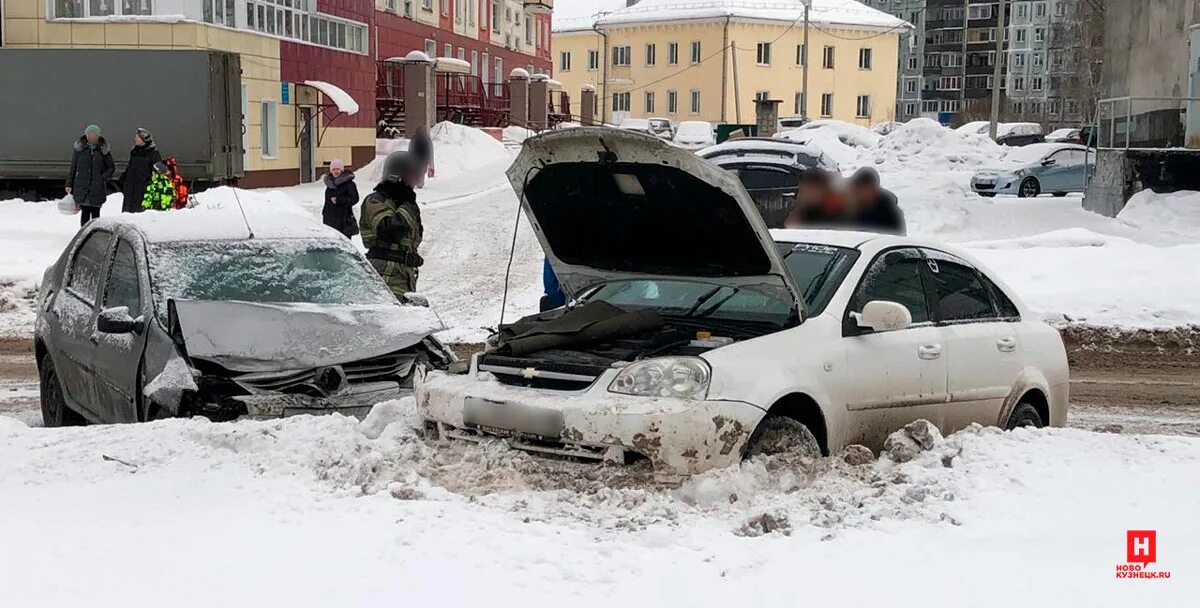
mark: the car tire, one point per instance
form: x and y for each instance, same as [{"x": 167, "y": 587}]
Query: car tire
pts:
[
  {"x": 987, "y": 194},
  {"x": 779, "y": 435},
  {"x": 1060, "y": 194},
  {"x": 55, "y": 412},
  {"x": 1029, "y": 188},
  {"x": 1025, "y": 415}
]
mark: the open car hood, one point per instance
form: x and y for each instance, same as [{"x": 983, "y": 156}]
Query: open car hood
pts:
[
  {"x": 255, "y": 337},
  {"x": 609, "y": 205}
]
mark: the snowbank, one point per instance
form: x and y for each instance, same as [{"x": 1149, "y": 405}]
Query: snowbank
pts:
[
  {"x": 924, "y": 145},
  {"x": 459, "y": 149},
  {"x": 1177, "y": 212},
  {"x": 398, "y": 521}
]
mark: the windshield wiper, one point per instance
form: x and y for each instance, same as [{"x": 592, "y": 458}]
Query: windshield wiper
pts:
[
  {"x": 819, "y": 281},
  {"x": 719, "y": 303},
  {"x": 702, "y": 299}
]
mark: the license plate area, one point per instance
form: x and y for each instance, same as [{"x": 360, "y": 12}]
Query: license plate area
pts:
[{"x": 511, "y": 419}]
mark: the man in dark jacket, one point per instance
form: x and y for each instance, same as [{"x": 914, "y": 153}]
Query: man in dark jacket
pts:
[
  {"x": 138, "y": 172},
  {"x": 91, "y": 168},
  {"x": 391, "y": 224},
  {"x": 877, "y": 210},
  {"x": 421, "y": 147},
  {"x": 341, "y": 195}
]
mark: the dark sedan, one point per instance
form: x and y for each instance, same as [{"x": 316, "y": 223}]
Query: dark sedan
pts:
[{"x": 187, "y": 313}]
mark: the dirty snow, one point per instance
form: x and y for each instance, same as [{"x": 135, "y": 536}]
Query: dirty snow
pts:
[{"x": 323, "y": 511}]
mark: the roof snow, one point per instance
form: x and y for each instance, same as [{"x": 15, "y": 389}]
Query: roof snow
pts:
[
  {"x": 339, "y": 97},
  {"x": 577, "y": 15}
]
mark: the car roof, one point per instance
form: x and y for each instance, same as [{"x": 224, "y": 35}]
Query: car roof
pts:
[
  {"x": 867, "y": 242},
  {"x": 219, "y": 224}
]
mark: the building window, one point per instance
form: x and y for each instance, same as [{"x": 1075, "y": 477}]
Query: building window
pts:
[
  {"x": 948, "y": 105},
  {"x": 929, "y": 106},
  {"x": 564, "y": 61},
  {"x": 1072, "y": 107},
  {"x": 763, "y": 53},
  {"x": 475, "y": 62},
  {"x": 269, "y": 128},
  {"x": 593, "y": 60},
  {"x": 950, "y": 83},
  {"x": 910, "y": 108},
  {"x": 863, "y": 106},
  {"x": 695, "y": 53},
  {"x": 672, "y": 53},
  {"x": 651, "y": 54},
  {"x": 1039, "y": 34},
  {"x": 1060, "y": 8},
  {"x": 1018, "y": 83},
  {"x": 798, "y": 104},
  {"x": 297, "y": 20},
  {"x": 912, "y": 62},
  {"x": 827, "y": 58},
  {"x": 672, "y": 102},
  {"x": 695, "y": 109},
  {"x": 447, "y": 50},
  {"x": 1054, "y": 107},
  {"x": 911, "y": 85},
  {"x": 1018, "y": 60},
  {"x": 864, "y": 59},
  {"x": 649, "y": 102},
  {"x": 762, "y": 95},
  {"x": 220, "y": 12},
  {"x": 1039, "y": 60},
  {"x": 1035, "y": 83},
  {"x": 827, "y": 104},
  {"x": 620, "y": 102},
  {"x": 445, "y": 7},
  {"x": 1022, "y": 35},
  {"x": 1035, "y": 108},
  {"x": 621, "y": 55},
  {"x": 495, "y": 15},
  {"x": 952, "y": 60},
  {"x": 1022, "y": 10},
  {"x": 430, "y": 48},
  {"x": 1039, "y": 9},
  {"x": 979, "y": 11}
]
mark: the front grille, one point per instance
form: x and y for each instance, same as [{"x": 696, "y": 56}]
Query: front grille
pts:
[
  {"x": 548, "y": 375},
  {"x": 375, "y": 369},
  {"x": 985, "y": 186},
  {"x": 280, "y": 382}
]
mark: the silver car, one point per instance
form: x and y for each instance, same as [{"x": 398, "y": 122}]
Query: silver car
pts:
[
  {"x": 184, "y": 313},
  {"x": 1036, "y": 169}
]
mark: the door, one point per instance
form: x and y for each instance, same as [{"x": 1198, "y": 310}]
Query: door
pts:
[
  {"x": 117, "y": 356},
  {"x": 306, "y": 143},
  {"x": 981, "y": 342},
  {"x": 1064, "y": 174},
  {"x": 893, "y": 377},
  {"x": 73, "y": 314}
]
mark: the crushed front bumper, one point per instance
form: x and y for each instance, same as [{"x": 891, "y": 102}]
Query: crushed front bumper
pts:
[
  {"x": 356, "y": 402},
  {"x": 677, "y": 436}
]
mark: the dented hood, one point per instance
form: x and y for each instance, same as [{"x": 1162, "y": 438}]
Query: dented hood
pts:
[
  {"x": 609, "y": 205},
  {"x": 253, "y": 337}
]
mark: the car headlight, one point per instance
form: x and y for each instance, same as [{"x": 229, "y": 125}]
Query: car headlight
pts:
[{"x": 678, "y": 377}]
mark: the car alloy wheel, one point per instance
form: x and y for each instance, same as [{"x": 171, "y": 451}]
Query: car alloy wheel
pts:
[{"x": 1029, "y": 188}]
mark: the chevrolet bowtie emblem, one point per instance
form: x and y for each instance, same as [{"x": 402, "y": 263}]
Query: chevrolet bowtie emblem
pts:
[{"x": 529, "y": 373}]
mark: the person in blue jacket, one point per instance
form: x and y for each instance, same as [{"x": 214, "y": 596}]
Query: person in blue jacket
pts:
[{"x": 554, "y": 297}]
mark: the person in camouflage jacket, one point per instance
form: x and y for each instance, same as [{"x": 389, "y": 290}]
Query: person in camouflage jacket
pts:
[{"x": 391, "y": 224}]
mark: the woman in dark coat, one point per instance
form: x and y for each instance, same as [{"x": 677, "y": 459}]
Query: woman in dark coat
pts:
[
  {"x": 341, "y": 195},
  {"x": 91, "y": 168},
  {"x": 138, "y": 172}
]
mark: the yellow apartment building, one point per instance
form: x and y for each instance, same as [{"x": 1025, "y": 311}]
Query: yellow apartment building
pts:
[{"x": 710, "y": 59}]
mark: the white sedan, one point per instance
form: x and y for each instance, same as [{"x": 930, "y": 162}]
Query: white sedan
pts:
[{"x": 696, "y": 337}]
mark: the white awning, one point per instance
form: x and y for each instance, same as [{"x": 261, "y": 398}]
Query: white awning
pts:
[{"x": 340, "y": 98}]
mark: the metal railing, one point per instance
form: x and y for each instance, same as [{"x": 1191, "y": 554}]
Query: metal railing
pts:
[{"x": 1124, "y": 123}]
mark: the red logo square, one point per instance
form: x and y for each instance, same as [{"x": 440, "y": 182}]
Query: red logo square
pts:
[{"x": 1141, "y": 546}]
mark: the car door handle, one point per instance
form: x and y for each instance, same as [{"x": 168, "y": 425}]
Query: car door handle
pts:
[
  {"x": 1006, "y": 345},
  {"x": 930, "y": 351}
]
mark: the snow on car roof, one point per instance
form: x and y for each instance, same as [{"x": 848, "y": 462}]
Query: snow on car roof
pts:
[
  {"x": 836, "y": 238},
  {"x": 825, "y": 12},
  {"x": 219, "y": 223},
  {"x": 760, "y": 143}
]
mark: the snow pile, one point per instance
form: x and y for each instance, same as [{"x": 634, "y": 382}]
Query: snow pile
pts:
[
  {"x": 843, "y": 142},
  {"x": 1177, "y": 212},
  {"x": 924, "y": 145},
  {"x": 516, "y": 135},
  {"x": 458, "y": 149},
  {"x": 401, "y": 519}
]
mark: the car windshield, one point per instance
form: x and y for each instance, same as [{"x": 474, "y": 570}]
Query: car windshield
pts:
[
  {"x": 275, "y": 271},
  {"x": 694, "y": 129},
  {"x": 816, "y": 269}
]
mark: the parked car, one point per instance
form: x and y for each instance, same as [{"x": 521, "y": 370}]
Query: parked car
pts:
[
  {"x": 661, "y": 128},
  {"x": 1007, "y": 133},
  {"x": 183, "y": 313},
  {"x": 769, "y": 170},
  {"x": 1036, "y": 169},
  {"x": 1064, "y": 136},
  {"x": 694, "y": 135},
  {"x": 790, "y": 122},
  {"x": 697, "y": 337}
]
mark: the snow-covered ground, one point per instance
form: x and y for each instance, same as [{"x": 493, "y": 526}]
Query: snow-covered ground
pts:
[
  {"x": 1071, "y": 265},
  {"x": 330, "y": 512}
]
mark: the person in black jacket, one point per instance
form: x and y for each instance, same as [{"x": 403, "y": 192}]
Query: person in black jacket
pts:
[
  {"x": 91, "y": 168},
  {"x": 341, "y": 195},
  {"x": 138, "y": 172},
  {"x": 877, "y": 209},
  {"x": 421, "y": 147}
]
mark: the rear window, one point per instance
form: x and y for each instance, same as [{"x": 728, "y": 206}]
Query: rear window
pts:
[{"x": 768, "y": 178}]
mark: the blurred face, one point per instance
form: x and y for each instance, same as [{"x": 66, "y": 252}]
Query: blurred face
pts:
[
  {"x": 336, "y": 171},
  {"x": 137, "y": 140},
  {"x": 811, "y": 194},
  {"x": 92, "y": 137}
]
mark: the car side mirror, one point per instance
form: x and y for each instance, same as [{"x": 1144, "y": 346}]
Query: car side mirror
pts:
[
  {"x": 881, "y": 315},
  {"x": 118, "y": 321}
]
